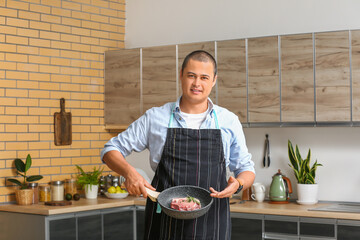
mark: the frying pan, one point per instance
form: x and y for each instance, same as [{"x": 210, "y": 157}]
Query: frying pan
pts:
[{"x": 165, "y": 197}]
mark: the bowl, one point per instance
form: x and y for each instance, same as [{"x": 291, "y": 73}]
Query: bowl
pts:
[{"x": 116, "y": 195}]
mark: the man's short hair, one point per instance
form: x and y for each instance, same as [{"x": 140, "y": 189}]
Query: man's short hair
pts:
[{"x": 201, "y": 56}]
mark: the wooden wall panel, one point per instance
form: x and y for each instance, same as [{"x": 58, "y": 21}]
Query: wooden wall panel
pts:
[
  {"x": 297, "y": 78},
  {"x": 332, "y": 76},
  {"x": 231, "y": 59},
  {"x": 185, "y": 49},
  {"x": 159, "y": 76},
  {"x": 355, "y": 42},
  {"x": 264, "y": 85},
  {"x": 122, "y": 87}
]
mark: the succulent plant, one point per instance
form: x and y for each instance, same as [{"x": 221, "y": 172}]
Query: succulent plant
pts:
[
  {"x": 304, "y": 174},
  {"x": 22, "y": 168}
]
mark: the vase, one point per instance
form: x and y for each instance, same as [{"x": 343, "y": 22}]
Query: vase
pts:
[
  {"x": 307, "y": 193},
  {"x": 91, "y": 191},
  {"x": 24, "y": 196}
]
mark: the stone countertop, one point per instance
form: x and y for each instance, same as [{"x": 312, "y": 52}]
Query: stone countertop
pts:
[{"x": 290, "y": 209}]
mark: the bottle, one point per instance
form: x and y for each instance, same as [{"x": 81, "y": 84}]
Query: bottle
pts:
[
  {"x": 44, "y": 193},
  {"x": 115, "y": 181},
  {"x": 35, "y": 187},
  {"x": 102, "y": 185},
  {"x": 70, "y": 186},
  {"x": 57, "y": 191}
]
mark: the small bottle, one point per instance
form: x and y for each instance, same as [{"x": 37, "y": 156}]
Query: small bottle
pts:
[
  {"x": 115, "y": 181},
  {"x": 35, "y": 187},
  {"x": 102, "y": 185},
  {"x": 70, "y": 186},
  {"x": 57, "y": 191},
  {"x": 44, "y": 193}
]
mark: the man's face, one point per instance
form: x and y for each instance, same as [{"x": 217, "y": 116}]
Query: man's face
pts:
[{"x": 197, "y": 80}]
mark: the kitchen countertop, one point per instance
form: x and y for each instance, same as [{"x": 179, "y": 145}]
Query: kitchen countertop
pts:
[{"x": 290, "y": 209}]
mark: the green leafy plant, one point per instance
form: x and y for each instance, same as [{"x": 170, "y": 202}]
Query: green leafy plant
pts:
[
  {"x": 303, "y": 172},
  {"x": 91, "y": 178},
  {"x": 22, "y": 169}
]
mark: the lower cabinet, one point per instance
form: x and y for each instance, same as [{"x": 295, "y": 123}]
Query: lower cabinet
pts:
[{"x": 276, "y": 227}]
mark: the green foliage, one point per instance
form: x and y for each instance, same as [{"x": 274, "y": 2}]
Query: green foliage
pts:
[
  {"x": 22, "y": 169},
  {"x": 303, "y": 173},
  {"x": 88, "y": 177}
]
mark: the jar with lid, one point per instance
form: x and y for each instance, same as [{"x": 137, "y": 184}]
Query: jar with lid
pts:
[
  {"x": 44, "y": 193},
  {"x": 70, "y": 186},
  {"x": 35, "y": 187},
  {"x": 57, "y": 191}
]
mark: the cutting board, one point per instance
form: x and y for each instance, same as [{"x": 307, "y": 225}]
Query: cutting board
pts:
[
  {"x": 58, "y": 203},
  {"x": 62, "y": 126}
]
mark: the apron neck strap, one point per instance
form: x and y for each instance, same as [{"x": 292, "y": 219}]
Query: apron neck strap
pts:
[{"x": 172, "y": 118}]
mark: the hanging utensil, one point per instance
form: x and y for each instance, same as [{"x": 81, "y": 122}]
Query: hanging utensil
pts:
[{"x": 266, "y": 161}]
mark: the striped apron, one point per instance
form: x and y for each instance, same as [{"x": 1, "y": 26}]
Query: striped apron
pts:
[{"x": 190, "y": 157}]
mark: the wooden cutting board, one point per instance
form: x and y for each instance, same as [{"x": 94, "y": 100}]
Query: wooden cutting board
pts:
[
  {"x": 62, "y": 126},
  {"x": 58, "y": 203}
]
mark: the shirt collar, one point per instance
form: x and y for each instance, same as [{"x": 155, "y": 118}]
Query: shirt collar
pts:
[{"x": 176, "y": 109}]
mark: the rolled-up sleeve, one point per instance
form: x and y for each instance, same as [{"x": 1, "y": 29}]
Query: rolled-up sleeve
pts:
[
  {"x": 240, "y": 158},
  {"x": 134, "y": 138}
]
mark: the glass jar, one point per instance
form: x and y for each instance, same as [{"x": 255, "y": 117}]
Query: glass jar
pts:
[
  {"x": 35, "y": 187},
  {"x": 57, "y": 191},
  {"x": 70, "y": 186},
  {"x": 44, "y": 193}
]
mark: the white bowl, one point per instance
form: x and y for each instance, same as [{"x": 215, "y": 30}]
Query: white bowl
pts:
[{"x": 116, "y": 195}]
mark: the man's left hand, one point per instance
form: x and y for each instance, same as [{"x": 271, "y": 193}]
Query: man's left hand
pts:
[{"x": 231, "y": 188}]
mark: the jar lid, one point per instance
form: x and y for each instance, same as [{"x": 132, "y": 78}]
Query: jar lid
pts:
[
  {"x": 33, "y": 184},
  {"x": 70, "y": 180},
  {"x": 57, "y": 183}
]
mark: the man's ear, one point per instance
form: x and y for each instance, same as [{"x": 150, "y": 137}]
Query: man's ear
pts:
[{"x": 214, "y": 82}]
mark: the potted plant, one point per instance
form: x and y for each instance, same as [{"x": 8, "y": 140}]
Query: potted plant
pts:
[
  {"x": 89, "y": 181},
  {"x": 307, "y": 189},
  {"x": 24, "y": 196}
]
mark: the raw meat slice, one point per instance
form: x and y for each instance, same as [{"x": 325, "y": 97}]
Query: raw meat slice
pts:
[{"x": 185, "y": 204}]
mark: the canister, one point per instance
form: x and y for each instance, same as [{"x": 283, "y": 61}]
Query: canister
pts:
[
  {"x": 35, "y": 187},
  {"x": 57, "y": 191},
  {"x": 44, "y": 193}
]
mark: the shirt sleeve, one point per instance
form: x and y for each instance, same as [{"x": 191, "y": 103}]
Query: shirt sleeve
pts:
[
  {"x": 240, "y": 158},
  {"x": 134, "y": 138}
]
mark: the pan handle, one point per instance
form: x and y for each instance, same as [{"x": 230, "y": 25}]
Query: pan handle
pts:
[{"x": 153, "y": 195}]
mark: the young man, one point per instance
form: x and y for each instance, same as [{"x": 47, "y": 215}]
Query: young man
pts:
[{"x": 191, "y": 142}]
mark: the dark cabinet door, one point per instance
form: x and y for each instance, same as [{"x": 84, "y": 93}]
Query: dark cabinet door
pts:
[
  {"x": 246, "y": 227},
  {"x": 63, "y": 229},
  {"x": 89, "y": 227},
  {"x": 119, "y": 225},
  {"x": 348, "y": 232},
  {"x": 140, "y": 223}
]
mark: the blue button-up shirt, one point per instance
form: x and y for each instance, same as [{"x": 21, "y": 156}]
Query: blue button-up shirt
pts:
[{"x": 150, "y": 130}]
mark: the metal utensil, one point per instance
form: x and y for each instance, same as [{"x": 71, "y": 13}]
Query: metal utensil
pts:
[{"x": 266, "y": 161}]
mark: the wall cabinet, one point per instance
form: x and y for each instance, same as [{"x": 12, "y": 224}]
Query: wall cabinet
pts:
[{"x": 294, "y": 79}]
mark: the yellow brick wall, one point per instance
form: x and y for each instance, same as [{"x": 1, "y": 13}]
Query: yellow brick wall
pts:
[{"x": 51, "y": 49}]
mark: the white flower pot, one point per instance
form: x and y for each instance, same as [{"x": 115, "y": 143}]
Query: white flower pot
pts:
[
  {"x": 307, "y": 193},
  {"x": 91, "y": 191}
]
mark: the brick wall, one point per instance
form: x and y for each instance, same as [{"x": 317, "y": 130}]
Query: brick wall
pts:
[{"x": 51, "y": 49}]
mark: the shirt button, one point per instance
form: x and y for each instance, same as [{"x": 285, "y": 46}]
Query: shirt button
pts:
[{"x": 180, "y": 118}]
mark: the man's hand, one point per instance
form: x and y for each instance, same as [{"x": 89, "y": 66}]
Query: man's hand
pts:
[
  {"x": 231, "y": 188},
  {"x": 135, "y": 184}
]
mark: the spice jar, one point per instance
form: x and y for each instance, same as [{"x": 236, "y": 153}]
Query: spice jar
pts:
[
  {"x": 70, "y": 186},
  {"x": 44, "y": 193},
  {"x": 35, "y": 187},
  {"x": 57, "y": 191}
]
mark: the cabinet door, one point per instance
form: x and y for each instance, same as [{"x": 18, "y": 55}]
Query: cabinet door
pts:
[
  {"x": 158, "y": 76},
  {"x": 348, "y": 230},
  {"x": 332, "y": 76},
  {"x": 140, "y": 222},
  {"x": 119, "y": 224},
  {"x": 281, "y": 225},
  {"x": 355, "y": 65},
  {"x": 317, "y": 227},
  {"x": 297, "y": 78},
  {"x": 185, "y": 49},
  {"x": 122, "y": 87},
  {"x": 246, "y": 226},
  {"x": 264, "y": 84},
  {"x": 61, "y": 229},
  {"x": 89, "y": 227},
  {"x": 231, "y": 81}
]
